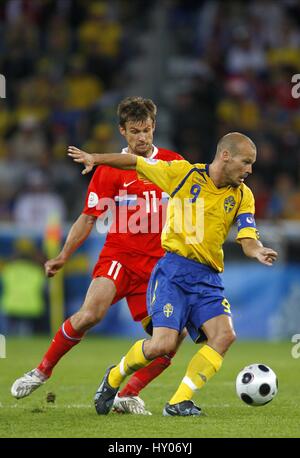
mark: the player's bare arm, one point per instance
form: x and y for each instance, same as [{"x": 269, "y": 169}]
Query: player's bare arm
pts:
[
  {"x": 255, "y": 249},
  {"x": 124, "y": 161},
  {"x": 77, "y": 235}
]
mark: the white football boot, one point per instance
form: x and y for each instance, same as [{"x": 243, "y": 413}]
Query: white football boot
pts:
[
  {"x": 130, "y": 404},
  {"x": 25, "y": 385}
]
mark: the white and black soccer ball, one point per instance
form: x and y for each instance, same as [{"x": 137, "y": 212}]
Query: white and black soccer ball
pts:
[{"x": 256, "y": 385}]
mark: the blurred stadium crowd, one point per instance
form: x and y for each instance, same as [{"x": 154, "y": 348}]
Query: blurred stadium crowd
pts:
[
  {"x": 63, "y": 62},
  {"x": 228, "y": 67},
  {"x": 242, "y": 56}
]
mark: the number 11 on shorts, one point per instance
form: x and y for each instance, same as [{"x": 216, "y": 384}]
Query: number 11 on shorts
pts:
[{"x": 114, "y": 269}]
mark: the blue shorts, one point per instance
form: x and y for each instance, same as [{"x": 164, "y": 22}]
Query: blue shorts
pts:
[{"x": 182, "y": 292}]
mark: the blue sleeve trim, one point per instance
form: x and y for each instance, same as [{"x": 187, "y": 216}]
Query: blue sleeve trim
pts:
[
  {"x": 194, "y": 169},
  {"x": 245, "y": 220}
]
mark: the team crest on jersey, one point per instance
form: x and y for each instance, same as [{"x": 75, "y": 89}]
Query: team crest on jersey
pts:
[
  {"x": 229, "y": 204},
  {"x": 168, "y": 310},
  {"x": 93, "y": 199}
]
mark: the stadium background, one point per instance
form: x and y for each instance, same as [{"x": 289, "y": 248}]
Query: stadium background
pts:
[{"x": 211, "y": 67}]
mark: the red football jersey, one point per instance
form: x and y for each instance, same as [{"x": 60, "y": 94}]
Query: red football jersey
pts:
[{"x": 137, "y": 209}]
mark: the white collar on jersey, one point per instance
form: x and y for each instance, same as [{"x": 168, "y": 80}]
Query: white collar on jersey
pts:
[{"x": 155, "y": 151}]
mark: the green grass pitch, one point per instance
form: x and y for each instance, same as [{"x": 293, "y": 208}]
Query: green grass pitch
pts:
[{"x": 77, "y": 376}]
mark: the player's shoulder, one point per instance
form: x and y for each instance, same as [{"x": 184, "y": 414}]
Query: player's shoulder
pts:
[
  {"x": 168, "y": 155},
  {"x": 246, "y": 191},
  {"x": 201, "y": 167},
  {"x": 105, "y": 171}
]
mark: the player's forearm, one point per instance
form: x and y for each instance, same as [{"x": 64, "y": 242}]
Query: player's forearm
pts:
[
  {"x": 250, "y": 247},
  {"x": 120, "y": 161},
  {"x": 78, "y": 233}
]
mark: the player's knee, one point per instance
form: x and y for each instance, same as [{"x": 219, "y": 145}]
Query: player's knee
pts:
[
  {"x": 154, "y": 351},
  {"x": 230, "y": 337},
  {"x": 182, "y": 336},
  {"x": 169, "y": 345},
  {"x": 161, "y": 347},
  {"x": 89, "y": 318},
  {"x": 225, "y": 339}
]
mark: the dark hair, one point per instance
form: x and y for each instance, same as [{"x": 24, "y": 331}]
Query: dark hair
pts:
[{"x": 136, "y": 109}]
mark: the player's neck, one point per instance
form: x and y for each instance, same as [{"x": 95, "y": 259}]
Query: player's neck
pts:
[
  {"x": 146, "y": 154},
  {"x": 216, "y": 175}
]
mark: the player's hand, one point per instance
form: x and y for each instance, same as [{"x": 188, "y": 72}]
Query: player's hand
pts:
[
  {"x": 82, "y": 157},
  {"x": 266, "y": 256},
  {"x": 53, "y": 266}
]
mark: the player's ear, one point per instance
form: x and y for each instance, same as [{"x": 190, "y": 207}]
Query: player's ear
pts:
[
  {"x": 225, "y": 155},
  {"x": 154, "y": 125},
  {"x": 122, "y": 130}
]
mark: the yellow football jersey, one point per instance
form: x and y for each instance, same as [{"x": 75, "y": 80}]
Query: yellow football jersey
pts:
[{"x": 199, "y": 215}]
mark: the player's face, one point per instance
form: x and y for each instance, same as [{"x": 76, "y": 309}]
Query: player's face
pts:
[
  {"x": 139, "y": 136},
  {"x": 239, "y": 166}
]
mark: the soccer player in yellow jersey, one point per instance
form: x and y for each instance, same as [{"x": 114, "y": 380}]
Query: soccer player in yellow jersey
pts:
[{"x": 185, "y": 288}]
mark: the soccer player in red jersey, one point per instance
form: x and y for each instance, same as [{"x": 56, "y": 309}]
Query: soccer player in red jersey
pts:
[{"x": 131, "y": 250}]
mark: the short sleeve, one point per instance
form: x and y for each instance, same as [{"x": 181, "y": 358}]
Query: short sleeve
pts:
[
  {"x": 165, "y": 174},
  {"x": 103, "y": 187}
]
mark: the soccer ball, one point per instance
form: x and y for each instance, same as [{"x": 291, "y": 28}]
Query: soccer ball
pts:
[{"x": 256, "y": 385}]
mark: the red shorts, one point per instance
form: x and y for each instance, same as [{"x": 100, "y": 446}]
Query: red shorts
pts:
[{"x": 129, "y": 283}]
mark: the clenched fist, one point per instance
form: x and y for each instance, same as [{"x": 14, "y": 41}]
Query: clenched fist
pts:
[{"x": 53, "y": 266}]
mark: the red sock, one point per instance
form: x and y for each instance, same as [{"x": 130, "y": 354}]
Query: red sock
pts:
[
  {"x": 65, "y": 338},
  {"x": 143, "y": 376}
]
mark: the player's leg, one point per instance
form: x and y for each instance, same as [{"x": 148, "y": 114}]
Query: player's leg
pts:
[
  {"x": 145, "y": 375},
  {"x": 205, "y": 363},
  {"x": 141, "y": 378},
  {"x": 167, "y": 304},
  {"x": 220, "y": 333},
  {"x": 98, "y": 299},
  {"x": 210, "y": 312},
  {"x": 127, "y": 400},
  {"x": 163, "y": 341}
]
